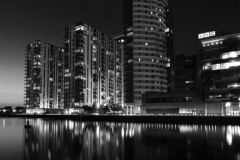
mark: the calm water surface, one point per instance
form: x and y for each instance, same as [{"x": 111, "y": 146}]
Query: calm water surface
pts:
[{"x": 74, "y": 140}]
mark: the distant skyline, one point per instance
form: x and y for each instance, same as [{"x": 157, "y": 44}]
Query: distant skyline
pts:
[{"x": 25, "y": 21}]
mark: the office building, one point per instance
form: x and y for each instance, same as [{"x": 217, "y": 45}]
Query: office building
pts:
[
  {"x": 186, "y": 76},
  {"x": 178, "y": 102},
  {"x": 220, "y": 73},
  {"x": 186, "y": 97},
  {"x": 43, "y": 76},
  {"x": 145, "y": 49},
  {"x": 93, "y": 70},
  {"x": 170, "y": 50}
]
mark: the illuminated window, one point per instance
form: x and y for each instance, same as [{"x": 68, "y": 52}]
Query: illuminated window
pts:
[
  {"x": 234, "y": 85},
  {"x": 230, "y": 64},
  {"x": 130, "y": 60},
  {"x": 189, "y": 82},
  {"x": 207, "y": 66},
  {"x": 216, "y": 67},
  {"x": 230, "y": 55},
  {"x": 129, "y": 28},
  {"x": 79, "y": 28},
  {"x": 129, "y": 34},
  {"x": 79, "y": 50}
]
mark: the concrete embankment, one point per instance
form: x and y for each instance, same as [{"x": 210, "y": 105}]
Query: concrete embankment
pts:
[{"x": 233, "y": 120}]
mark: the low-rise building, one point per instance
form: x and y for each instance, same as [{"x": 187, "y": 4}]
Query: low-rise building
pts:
[{"x": 182, "y": 102}]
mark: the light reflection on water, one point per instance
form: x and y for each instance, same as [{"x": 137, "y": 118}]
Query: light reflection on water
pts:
[{"x": 70, "y": 140}]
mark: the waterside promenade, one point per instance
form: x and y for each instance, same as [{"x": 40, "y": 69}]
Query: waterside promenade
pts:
[{"x": 227, "y": 120}]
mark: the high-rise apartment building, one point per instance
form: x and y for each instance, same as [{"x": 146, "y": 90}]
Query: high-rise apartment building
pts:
[
  {"x": 145, "y": 49},
  {"x": 43, "y": 76},
  {"x": 93, "y": 70}
]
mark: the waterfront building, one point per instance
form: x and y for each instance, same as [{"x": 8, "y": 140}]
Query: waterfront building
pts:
[
  {"x": 186, "y": 77},
  {"x": 186, "y": 97},
  {"x": 220, "y": 73},
  {"x": 145, "y": 49},
  {"x": 170, "y": 49},
  {"x": 93, "y": 70},
  {"x": 43, "y": 76},
  {"x": 178, "y": 102}
]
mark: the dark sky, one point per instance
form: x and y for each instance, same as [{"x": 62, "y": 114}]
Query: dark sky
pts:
[{"x": 23, "y": 21}]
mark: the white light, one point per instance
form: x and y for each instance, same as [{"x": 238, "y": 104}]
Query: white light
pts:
[
  {"x": 146, "y": 44},
  {"x": 233, "y": 54},
  {"x": 228, "y": 104},
  {"x": 166, "y": 30},
  {"x": 232, "y": 64},
  {"x": 207, "y": 34},
  {"x": 4, "y": 110}
]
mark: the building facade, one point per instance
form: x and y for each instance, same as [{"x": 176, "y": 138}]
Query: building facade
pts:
[
  {"x": 178, "y": 102},
  {"x": 145, "y": 49},
  {"x": 170, "y": 50},
  {"x": 185, "y": 72},
  {"x": 43, "y": 76},
  {"x": 93, "y": 70},
  {"x": 220, "y": 73}
]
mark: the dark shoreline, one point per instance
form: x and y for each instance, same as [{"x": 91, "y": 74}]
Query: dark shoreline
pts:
[{"x": 228, "y": 120}]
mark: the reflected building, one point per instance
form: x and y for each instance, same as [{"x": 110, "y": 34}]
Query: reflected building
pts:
[
  {"x": 108, "y": 140},
  {"x": 73, "y": 140},
  {"x": 43, "y": 76},
  {"x": 93, "y": 70}
]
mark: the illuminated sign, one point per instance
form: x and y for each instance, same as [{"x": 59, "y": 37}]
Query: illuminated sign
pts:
[{"x": 206, "y": 35}]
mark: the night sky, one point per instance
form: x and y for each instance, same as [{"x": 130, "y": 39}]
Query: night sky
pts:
[{"x": 24, "y": 21}]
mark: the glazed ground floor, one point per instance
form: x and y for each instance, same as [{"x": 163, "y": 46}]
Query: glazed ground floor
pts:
[{"x": 204, "y": 108}]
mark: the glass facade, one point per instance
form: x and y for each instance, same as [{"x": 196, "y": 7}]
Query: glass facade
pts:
[{"x": 221, "y": 73}]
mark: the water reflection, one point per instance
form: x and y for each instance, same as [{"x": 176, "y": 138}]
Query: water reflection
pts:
[{"x": 70, "y": 140}]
